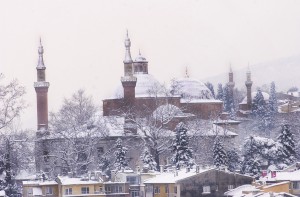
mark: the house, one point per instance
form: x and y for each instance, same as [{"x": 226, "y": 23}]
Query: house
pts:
[
  {"x": 207, "y": 182},
  {"x": 284, "y": 178},
  {"x": 40, "y": 188}
]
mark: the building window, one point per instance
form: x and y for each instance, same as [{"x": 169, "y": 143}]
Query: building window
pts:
[
  {"x": 68, "y": 191},
  {"x": 46, "y": 156},
  {"x": 134, "y": 193},
  {"x": 100, "y": 151},
  {"x": 217, "y": 188},
  {"x": 49, "y": 191},
  {"x": 119, "y": 189},
  {"x": 156, "y": 190},
  {"x": 29, "y": 191},
  {"x": 107, "y": 189},
  {"x": 175, "y": 189},
  {"x": 296, "y": 185},
  {"x": 85, "y": 190},
  {"x": 166, "y": 189},
  {"x": 132, "y": 180},
  {"x": 230, "y": 187},
  {"x": 206, "y": 189}
]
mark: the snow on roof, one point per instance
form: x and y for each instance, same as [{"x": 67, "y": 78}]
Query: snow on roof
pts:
[
  {"x": 253, "y": 94},
  {"x": 169, "y": 177},
  {"x": 38, "y": 182},
  {"x": 283, "y": 176},
  {"x": 146, "y": 86},
  {"x": 24, "y": 174},
  {"x": 190, "y": 88},
  {"x": 276, "y": 184},
  {"x": 208, "y": 130},
  {"x": 76, "y": 181},
  {"x": 269, "y": 194},
  {"x": 2, "y": 193},
  {"x": 295, "y": 93},
  {"x": 168, "y": 111},
  {"x": 238, "y": 192},
  {"x": 194, "y": 100}
]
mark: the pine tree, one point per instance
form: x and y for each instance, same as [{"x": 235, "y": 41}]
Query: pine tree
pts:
[
  {"x": 273, "y": 99},
  {"x": 219, "y": 154},
  {"x": 286, "y": 139},
  {"x": 182, "y": 153},
  {"x": 252, "y": 167},
  {"x": 210, "y": 86},
  {"x": 10, "y": 189},
  {"x": 227, "y": 100},
  {"x": 148, "y": 160},
  {"x": 121, "y": 161},
  {"x": 220, "y": 92},
  {"x": 233, "y": 160}
]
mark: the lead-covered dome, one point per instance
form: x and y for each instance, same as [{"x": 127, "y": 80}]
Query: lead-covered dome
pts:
[
  {"x": 253, "y": 94},
  {"x": 146, "y": 86},
  {"x": 189, "y": 88}
]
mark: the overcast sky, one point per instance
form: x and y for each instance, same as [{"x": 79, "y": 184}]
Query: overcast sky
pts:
[{"x": 83, "y": 40}]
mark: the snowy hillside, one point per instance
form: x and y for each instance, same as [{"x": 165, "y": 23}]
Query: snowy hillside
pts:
[{"x": 285, "y": 72}]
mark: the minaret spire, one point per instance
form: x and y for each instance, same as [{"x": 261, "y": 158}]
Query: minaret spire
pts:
[
  {"x": 41, "y": 64},
  {"x": 41, "y": 88},
  {"x": 248, "y": 84},
  {"x": 127, "y": 43}
]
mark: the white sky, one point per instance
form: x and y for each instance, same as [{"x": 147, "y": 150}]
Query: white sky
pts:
[{"x": 83, "y": 40}]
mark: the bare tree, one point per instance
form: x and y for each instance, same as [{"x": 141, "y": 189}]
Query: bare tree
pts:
[
  {"x": 11, "y": 101},
  {"x": 75, "y": 131}
]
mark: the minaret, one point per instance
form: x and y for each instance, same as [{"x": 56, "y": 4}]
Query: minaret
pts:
[
  {"x": 231, "y": 82},
  {"x": 41, "y": 89},
  {"x": 248, "y": 84},
  {"x": 129, "y": 83},
  {"x": 128, "y": 80}
]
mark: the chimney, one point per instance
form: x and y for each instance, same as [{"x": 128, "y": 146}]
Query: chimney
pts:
[
  {"x": 70, "y": 174},
  {"x": 197, "y": 168},
  {"x": 161, "y": 168},
  {"x": 187, "y": 169}
]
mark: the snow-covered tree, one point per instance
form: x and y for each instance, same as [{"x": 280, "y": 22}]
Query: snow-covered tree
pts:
[
  {"x": 233, "y": 160},
  {"x": 251, "y": 156},
  {"x": 219, "y": 95},
  {"x": 219, "y": 154},
  {"x": 121, "y": 161},
  {"x": 80, "y": 127},
  {"x": 228, "y": 103},
  {"x": 148, "y": 160},
  {"x": 210, "y": 86},
  {"x": 286, "y": 139},
  {"x": 11, "y": 102},
  {"x": 182, "y": 153},
  {"x": 273, "y": 103}
]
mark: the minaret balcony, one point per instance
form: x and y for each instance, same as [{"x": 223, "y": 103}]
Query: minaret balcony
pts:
[
  {"x": 129, "y": 78},
  {"x": 247, "y": 83},
  {"x": 41, "y": 84}
]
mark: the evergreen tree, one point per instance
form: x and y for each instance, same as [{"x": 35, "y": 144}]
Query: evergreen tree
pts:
[
  {"x": 273, "y": 99},
  {"x": 148, "y": 160},
  {"x": 220, "y": 92},
  {"x": 210, "y": 86},
  {"x": 219, "y": 154},
  {"x": 10, "y": 189},
  {"x": 250, "y": 164},
  {"x": 233, "y": 160},
  {"x": 286, "y": 139},
  {"x": 121, "y": 161},
  {"x": 182, "y": 154},
  {"x": 227, "y": 100}
]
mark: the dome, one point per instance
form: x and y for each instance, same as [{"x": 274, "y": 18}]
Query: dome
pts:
[
  {"x": 167, "y": 112},
  {"x": 140, "y": 58},
  {"x": 253, "y": 94},
  {"x": 191, "y": 89},
  {"x": 145, "y": 86}
]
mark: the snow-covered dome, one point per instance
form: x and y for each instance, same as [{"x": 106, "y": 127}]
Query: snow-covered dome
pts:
[
  {"x": 140, "y": 58},
  {"x": 146, "y": 86},
  {"x": 167, "y": 112},
  {"x": 191, "y": 89},
  {"x": 253, "y": 94}
]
